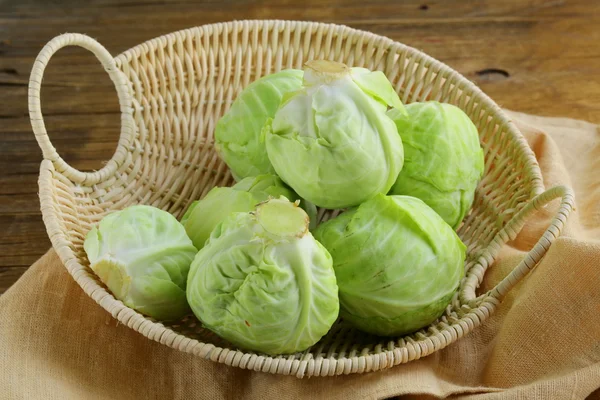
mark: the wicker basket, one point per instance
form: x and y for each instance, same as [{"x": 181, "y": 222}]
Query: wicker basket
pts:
[{"x": 173, "y": 89}]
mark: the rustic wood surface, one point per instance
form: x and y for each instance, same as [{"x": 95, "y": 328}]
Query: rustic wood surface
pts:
[{"x": 533, "y": 56}]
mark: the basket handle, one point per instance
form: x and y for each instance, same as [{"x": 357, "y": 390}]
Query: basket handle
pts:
[
  {"x": 37, "y": 120},
  {"x": 510, "y": 231}
]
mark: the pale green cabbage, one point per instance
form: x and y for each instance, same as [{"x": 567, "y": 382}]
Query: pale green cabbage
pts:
[
  {"x": 263, "y": 282},
  {"x": 238, "y": 133},
  {"x": 143, "y": 255},
  {"x": 332, "y": 141},
  {"x": 443, "y": 158},
  {"x": 397, "y": 264},
  {"x": 203, "y": 215}
]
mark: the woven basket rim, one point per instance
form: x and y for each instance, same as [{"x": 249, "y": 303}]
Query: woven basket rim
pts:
[{"x": 474, "y": 309}]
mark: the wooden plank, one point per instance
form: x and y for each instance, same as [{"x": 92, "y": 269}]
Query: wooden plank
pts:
[
  {"x": 23, "y": 239},
  {"x": 535, "y": 56},
  {"x": 535, "y": 66},
  {"x": 20, "y": 203}
]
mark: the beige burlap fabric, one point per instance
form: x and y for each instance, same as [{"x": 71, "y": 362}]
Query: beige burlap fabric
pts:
[{"x": 542, "y": 343}]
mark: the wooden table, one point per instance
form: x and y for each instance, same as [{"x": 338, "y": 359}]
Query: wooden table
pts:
[{"x": 535, "y": 56}]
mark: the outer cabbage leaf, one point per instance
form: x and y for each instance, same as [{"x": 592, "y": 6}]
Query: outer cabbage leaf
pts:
[
  {"x": 143, "y": 255},
  {"x": 332, "y": 141},
  {"x": 397, "y": 264},
  {"x": 263, "y": 282},
  {"x": 238, "y": 132},
  {"x": 443, "y": 158},
  {"x": 204, "y": 215}
]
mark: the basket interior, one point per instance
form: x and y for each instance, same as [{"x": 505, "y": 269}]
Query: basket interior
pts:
[{"x": 182, "y": 83}]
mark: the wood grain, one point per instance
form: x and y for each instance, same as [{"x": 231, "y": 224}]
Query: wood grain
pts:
[{"x": 533, "y": 56}]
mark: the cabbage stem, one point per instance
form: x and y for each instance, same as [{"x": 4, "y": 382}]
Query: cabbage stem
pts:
[
  {"x": 282, "y": 218},
  {"x": 317, "y": 72}
]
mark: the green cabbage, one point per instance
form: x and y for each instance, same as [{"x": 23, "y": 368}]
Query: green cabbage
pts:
[
  {"x": 204, "y": 215},
  {"x": 332, "y": 141},
  {"x": 397, "y": 264},
  {"x": 443, "y": 158},
  {"x": 143, "y": 255},
  {"x": 263, "y": 282},
  {"x": 238, "y": 132}
]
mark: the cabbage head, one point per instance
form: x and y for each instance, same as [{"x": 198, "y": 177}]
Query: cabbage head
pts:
[
  {"x": 238, "y": 133},
  {"x": 332, "y": 141},
  {"x": 443, "y": 158},
  {"x": 204, "y": 215},
  {"x": 397, "y": 264},
  {"x": 143, "y": 255},
  {"x": 263, "y": 282}
]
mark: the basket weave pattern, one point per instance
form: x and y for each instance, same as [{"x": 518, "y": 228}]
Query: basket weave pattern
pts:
[{"x": 173, "y": 89}]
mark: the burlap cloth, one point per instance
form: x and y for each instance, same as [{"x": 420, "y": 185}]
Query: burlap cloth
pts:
[{"x": 542, "y": 343}]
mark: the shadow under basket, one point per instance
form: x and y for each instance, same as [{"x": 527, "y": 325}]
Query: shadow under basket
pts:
[{"x": 173, "y": 89}]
